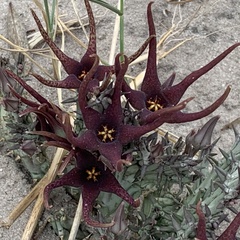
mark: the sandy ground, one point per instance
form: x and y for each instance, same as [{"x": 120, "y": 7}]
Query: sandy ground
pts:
[{"x": 215, "y": 27}]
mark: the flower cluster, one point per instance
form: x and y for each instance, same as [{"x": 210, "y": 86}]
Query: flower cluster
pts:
[{"x": 120, "y": 118}]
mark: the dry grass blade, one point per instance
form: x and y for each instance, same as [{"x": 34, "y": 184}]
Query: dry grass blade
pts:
[
  {"x": 114, "y": 38},
  {"x": 172, "y": 137},
  {"x": 34, "y": 193},
  {"x": 77, "y": 220},
  {"x": 35, "y": 216},
  {"x": 67, "y": 29},
  {"x": 57, "y": 68},
  {"x": 24, "y": 51},
  {"x": 38, "y": 208},
  {"x": 17, "y": 35},
  {"x": 79, "y": 19},
  {"x": 15, "y": 30},
  {"x": 21, "y": 207},
  {"x": 36, "y": 38}
]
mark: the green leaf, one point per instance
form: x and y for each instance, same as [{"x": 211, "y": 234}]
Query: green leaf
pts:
[{"x": 147, "y": 206}]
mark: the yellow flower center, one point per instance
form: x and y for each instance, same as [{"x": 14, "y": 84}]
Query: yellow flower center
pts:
[
  {"x": 92, "y": 174},
  {"x": 154, "y": 105},
  {"x": 82, "y": 75},
  {"x": 106, "y": 134}
]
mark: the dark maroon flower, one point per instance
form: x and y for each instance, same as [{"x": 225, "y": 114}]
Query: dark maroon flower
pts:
[
  {"x": 106, "y": 131},
  {"x": 92, "y": 177},
  {"x": 228, "y": 234},
  {"x": 78, "y": 70},
  {"x": 154, "y": 96},
  {"x": 45, "y": 111}
]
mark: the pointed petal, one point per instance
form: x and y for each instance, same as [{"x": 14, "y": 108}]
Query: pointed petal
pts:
[
  {"x": 63, "y": 145},
  {"x": 87, "y": 61},
  {"x": 89, "y": 196},
  {"x": 201, "y": 227},
  {"x": 130, "y": 132},
  {"x": 70, "y": 65},
  {"x": 50, "y": 135},
  {"x": 66, "y": 161},
  {"x": 91, "y": 117},
  {"x": 92, "y": 37},
  {"x": 24, "y": 100},
  {"x": 231, "y": 231},
  {"x": 70, "y": 82},
  {"x": 110, "y": 184},
  {"x": 175, "y": 93},
  {"x": 151, "y": 83},
  {"x": 136, "y": 98},
  {"x": 135, "y": 55},
  {"x": 64, "y": 119},
  {"x": 48, "y": 115},
  {"x": 69, "y": 179},
  {"x": 148, "y": 116},
  {"x": 114, "y": 110},
  {"x": 180, "y": 117},
  {"x": 34, "y": 93}
]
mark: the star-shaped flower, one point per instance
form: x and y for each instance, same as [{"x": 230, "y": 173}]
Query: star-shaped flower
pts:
[
  {"x": 153, "y": 96},
  {"x": 106, "y": 131},
  {"x": 228, "y": 234},
  {"x": 77, "y": 70},
  {"x": 92, "y": 177}
]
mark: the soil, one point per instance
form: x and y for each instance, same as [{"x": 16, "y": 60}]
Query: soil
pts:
[{"x": 214, "y": 26}]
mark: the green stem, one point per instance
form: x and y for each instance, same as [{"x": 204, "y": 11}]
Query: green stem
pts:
[
  {"x": 47, "y": 14},
  {"x": 108, "y": 6},
  {"x": 121, "y": 30},
  {"x": 50, "y": 17}
]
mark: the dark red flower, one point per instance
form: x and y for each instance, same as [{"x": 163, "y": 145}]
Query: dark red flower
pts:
[
  {"x": 45, "y": 111},
  {"x": 106, "y": 131},
  {"x": 153, "y": 96},
  {"x": 92, "y": 177},
  {"x": 78, "y": 70}
]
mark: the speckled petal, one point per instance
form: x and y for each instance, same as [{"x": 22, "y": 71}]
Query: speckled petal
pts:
[
  {"x": 231, "y": 231},
  {"x": 70, "y": 82},
  {"x": 69, "y": 179},
  {"x": 88, "y": 201},
  {"x": 175, "y": 93},
  {"x": 201, "y": 227},
  {"x": 27, "y": 87},
  {"x": 70, "y": 65},
  {"x": 180, "y": 117}
]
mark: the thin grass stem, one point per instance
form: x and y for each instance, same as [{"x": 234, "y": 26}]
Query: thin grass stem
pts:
[
  {"x": 77, "y": 220},
  {"x": 121, "y": 30}
]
